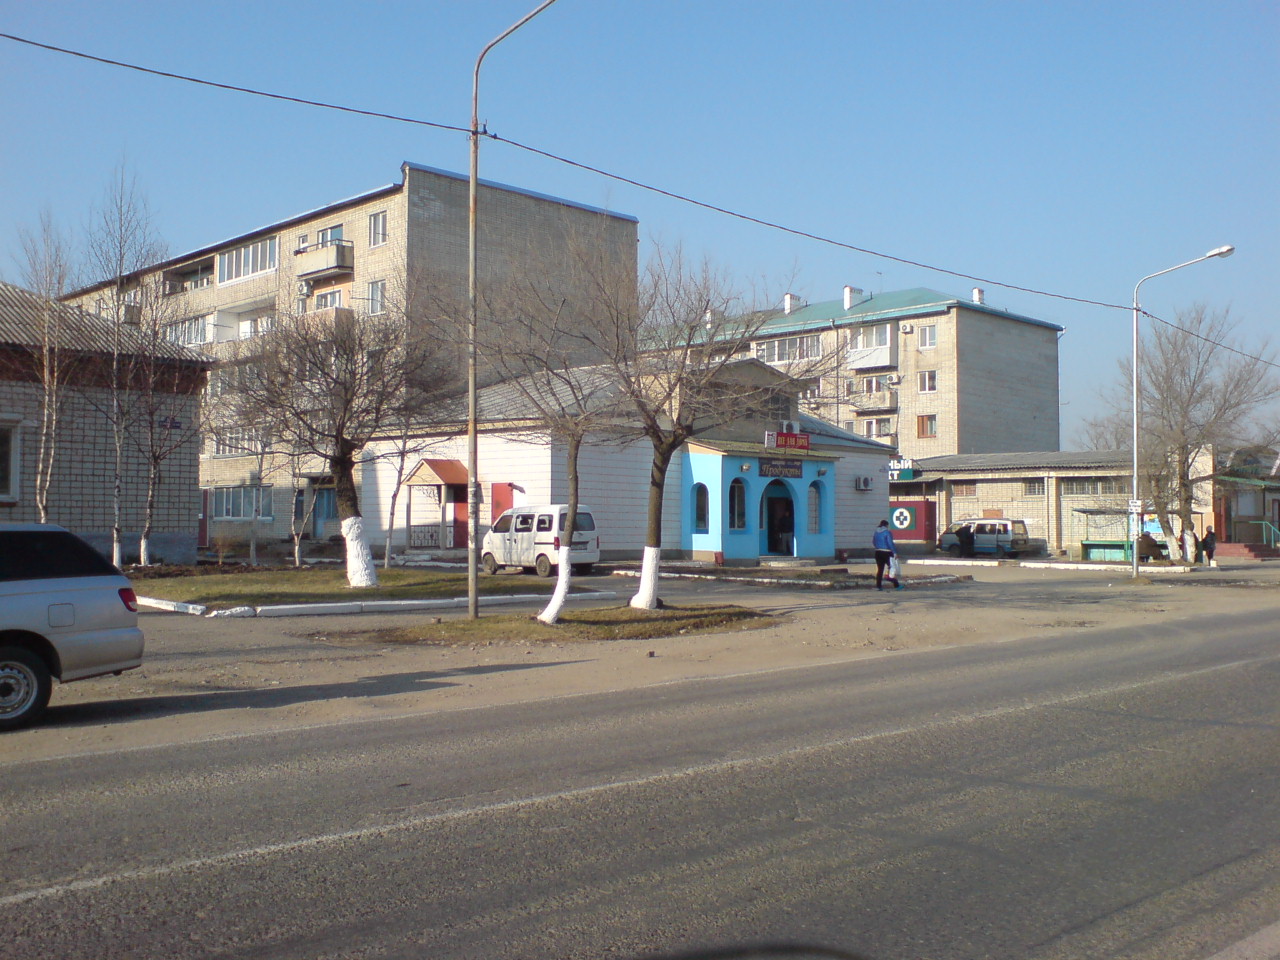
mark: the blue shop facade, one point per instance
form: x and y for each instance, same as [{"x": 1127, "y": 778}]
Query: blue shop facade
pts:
[{"x": 744, "y": 502}]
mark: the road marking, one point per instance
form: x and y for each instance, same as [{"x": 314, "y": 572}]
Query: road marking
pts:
[{"x": 413, "y": 823}]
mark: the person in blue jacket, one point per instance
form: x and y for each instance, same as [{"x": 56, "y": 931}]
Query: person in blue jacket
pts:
[{"x": 886, "y": 550}]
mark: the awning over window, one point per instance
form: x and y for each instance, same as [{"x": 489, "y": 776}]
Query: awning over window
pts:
[{"x": 432, "y": 472}]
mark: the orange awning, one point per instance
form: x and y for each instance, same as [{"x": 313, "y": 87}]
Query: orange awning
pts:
[{"x": 430, "y": 472}]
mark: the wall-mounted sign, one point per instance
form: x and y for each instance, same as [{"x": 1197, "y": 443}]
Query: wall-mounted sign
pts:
[
  {"x": 778, "y": 440},
  {"x": 902, "y": 468},
  {"x": 793, "y": 469}
]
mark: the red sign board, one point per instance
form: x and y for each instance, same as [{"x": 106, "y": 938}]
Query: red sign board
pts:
[{"x": 786, "y": 441}]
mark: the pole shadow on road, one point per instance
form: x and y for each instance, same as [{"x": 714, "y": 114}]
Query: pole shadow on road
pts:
[{"x": 387, "y": 685}]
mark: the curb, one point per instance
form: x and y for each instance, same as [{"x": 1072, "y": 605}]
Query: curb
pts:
[{"x": 361, "y": 606}]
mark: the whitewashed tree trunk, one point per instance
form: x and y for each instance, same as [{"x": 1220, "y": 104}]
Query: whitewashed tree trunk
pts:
[
  {"x": 646, "y": 597},
  {"x": 361, "y": 571},
  {"x": 551, "y": 613},
  {"x": 144, "y": 550}
]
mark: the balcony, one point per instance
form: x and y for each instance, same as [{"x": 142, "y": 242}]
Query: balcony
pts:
[
  {"x": 320, "y": 260},
  {"x": 880, "y": 400}
]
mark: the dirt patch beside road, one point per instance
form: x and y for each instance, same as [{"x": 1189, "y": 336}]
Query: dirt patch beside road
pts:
[{"x": 218, "y": 678}]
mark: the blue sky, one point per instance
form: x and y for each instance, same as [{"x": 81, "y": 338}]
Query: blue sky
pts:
[{"x": 1069, "y": 147}]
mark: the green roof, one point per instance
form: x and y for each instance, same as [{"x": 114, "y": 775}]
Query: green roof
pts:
[{"x": 897, "y": 304}]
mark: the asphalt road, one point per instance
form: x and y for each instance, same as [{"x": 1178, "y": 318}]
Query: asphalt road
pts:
[{"x": 1092, "y": 795}]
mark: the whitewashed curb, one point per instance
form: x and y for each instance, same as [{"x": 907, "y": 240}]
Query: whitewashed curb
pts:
[{"x": 175, "y": 606}]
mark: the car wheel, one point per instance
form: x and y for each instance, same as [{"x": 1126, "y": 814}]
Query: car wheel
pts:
[
  {"x": 583, "y": 569},
  {"x": 1001, "y": 553},
  {"x": 489, "y": 564},
  {"x": 954, "y": 550},
  {"x": 25, "y": 686},
  {"x": 542, "y": 566}
]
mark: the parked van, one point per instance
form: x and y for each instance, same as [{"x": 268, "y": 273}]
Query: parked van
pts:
[
  {"x": 529, "y": 537},
  {"x": 985, "y": 537}
]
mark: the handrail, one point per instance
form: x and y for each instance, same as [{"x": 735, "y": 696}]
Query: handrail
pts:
[{"x": 1270, "y": 532}]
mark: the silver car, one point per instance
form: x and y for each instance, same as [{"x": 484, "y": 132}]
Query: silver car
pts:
[{"x": 65, "y": 612}]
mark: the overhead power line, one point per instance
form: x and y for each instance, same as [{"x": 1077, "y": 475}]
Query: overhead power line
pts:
[{"x": 794, "y": 231}]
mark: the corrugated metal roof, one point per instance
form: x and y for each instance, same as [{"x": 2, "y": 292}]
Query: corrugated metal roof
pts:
[
  {"x": 894, "y": 305},
  {"x": 1046, "y": 459},
  {"x": 78, "y": 330}
]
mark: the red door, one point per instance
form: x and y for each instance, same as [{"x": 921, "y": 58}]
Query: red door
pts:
[{"x": 501, "y": 499}]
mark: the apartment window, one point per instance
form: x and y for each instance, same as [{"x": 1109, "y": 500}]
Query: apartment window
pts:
[
  {"x": 378, "y": 228},
  {"x": 247, "y": 261},
  {"x": 879, "y": 427},
  {"x": 876, "y": 384},
  {"x": 701, "y": 508},
  {"x": 236, "y": 442},
  {"x": 377, "y": 297},
  {"x": 238, "y": 503},
  {"x": 869, "y": 336},
  {"x": 789, "y": 348},
  {"x": 8, "y": 461},
  {"x": 254, "y": 326},
  {"x": 330, "y": 298},
  {"x": 302, "y": 241},
  {"x": 329, "y": 236},
  {"x": 815, "y": 508},
  {"x": 928, "y": 381},
  {"x": 927, "y": 336},
  {"x": 300, "y": 305},
  {"x": 1033, "y": 487},
  {"x": 964, "y": 488},
  {"x": 810, "y": 389},
  {"x": 191, "y": 330},
  {"x": 737, "y": 505},
  {"x": 927, "y": 425}
]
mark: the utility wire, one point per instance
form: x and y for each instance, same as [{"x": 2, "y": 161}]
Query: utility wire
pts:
[
  {"x": 627, "y": 180},
  {"x": 228, "y": 86}
]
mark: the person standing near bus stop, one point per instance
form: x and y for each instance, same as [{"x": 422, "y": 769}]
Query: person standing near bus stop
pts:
[{"x": 886, "y": 551}]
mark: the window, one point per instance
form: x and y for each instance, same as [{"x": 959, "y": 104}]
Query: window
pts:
[
  {"x": 928, "y": 381},
  {"x": 330, "y": 298},
  {"x": 964, "y": 488},
  {"x": 877, "y": 384},
  {"x": 927, "y": 425},
  {"x": 8, "y": 461},
  {"x": 256, "y": 325},
  {"x": 247, "y": 261},
  {"x": 378, "y": 228},
  {"x": 544, "y": 523},
  {"x": 191, "y": 330},
  {"x": 737, "y": 505},
  {"x": 928, "y": 336},
  {"x": 815, "y": 507},
  {"x": 236, "y": 442},
  {"x": 524, "y": 523},
  {"x": 810, "y": 389},
  {"x": 377, "y": 297},
  {"x": 869, "y": 336},
  {"x": 701, "y": 509},
  {"x": 584, "y": 523},
  {"x": 789, "y": 348},
  {"x": 238, "y": 503},
  {"x": 502, "y": 524},
  {"x": 1033, "y": 487},
  {"x": 878, "y": 427},
  {"x": 1092, "y": 487},
  {"x": 329, "y": 236},
  {"x": 302, "y": 241}
]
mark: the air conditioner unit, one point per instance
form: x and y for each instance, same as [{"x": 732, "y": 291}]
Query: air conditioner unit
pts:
[
  {"x": 906, "y": 328},
  {"x": 789, "y": 426},
  {"x": 304, "y": 288},
  {"x": 862, "y": 483},
  {"x": 893, "y": 380}
]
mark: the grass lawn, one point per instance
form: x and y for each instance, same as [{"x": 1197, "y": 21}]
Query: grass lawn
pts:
[
  {"x": 575, "y": 626},
  {"x": 325, "y": 585}
]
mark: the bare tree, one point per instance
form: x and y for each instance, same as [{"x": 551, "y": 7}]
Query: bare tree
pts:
[
  {"x": 672, "y": 347},
  {"x": 121, "y": 243},
  {"x": 324, "y": 384},
  {"x": 1198, "y": 392},
  {"x": 46, "y": 271}
]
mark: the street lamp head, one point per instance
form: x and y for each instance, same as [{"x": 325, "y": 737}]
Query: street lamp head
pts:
[{"x": 1223, "y": 251}]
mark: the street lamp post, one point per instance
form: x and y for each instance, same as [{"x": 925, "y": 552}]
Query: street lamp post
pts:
[
  {"x": 1135, "y": 503},
  {"x": 473, "y": 457}
]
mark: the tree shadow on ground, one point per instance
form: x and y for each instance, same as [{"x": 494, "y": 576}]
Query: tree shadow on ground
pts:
[{"x": 262, "y": 698}]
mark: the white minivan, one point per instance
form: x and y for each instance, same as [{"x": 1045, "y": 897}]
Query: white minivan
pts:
[{"x": 529, "y": 537}]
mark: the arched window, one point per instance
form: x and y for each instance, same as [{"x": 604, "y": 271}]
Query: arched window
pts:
[
  {"x": 701, "y": 509},
  {"x": 815, "y": 507},
  {"x": 737, "y": 505}
]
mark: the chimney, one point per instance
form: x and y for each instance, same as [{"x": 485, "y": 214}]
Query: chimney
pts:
[
  {"x": 791, "y": 302},
  {"x": 979, "y": 295},
  {"x": 850, "y": 295}
]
